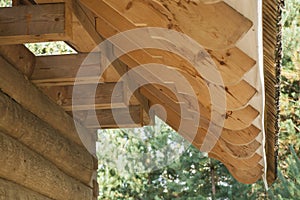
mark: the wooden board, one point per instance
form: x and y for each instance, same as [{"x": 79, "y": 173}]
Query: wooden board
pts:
[
  {"x": 211, "y": 28},
  {"x": 61, "y": 70},
  {"x": 103, "y": 99},
  {"x": 105, "y": 118},
  {"x": 33, "y": 23},
  {"x": 84, "y": 37}
]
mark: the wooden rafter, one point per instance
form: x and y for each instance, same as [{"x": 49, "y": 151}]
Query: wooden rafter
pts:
[
  {"x": 167, "y": 14},
  {"x": 20, "y": 57}
]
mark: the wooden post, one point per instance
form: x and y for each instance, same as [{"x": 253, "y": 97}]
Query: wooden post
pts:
[
  {"x": 29, "y": 169},
  {"x": 45, "y": 140}
]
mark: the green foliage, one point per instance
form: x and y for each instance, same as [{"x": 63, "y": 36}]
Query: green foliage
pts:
[
  {"x": 288, "y": 185},
  {"x": 50, "y": 48},
  {"x": 290, "y": 82},
  {"x": 189, "y": 177}
]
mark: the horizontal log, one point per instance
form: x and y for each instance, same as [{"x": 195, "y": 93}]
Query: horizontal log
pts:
[
  {"x": 86, "y": 99},
  {"x": 20, "y": 57},
  {"x": 10, "y": 190},
  {"x": 105, "y": 118},
  {"x": 33, "y": 23},
  {"x": 14, "y": 84},
  {"x": 24, "y": 126},
  {"x": 29, "y": 169}
]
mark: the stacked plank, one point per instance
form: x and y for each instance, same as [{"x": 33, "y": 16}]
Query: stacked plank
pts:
[{"x": 217, "y": 27}]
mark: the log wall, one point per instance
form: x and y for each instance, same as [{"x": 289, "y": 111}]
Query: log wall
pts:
[{"x": 41, "y": 156}]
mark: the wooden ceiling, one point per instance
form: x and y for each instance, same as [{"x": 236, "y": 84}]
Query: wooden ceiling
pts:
[{"x": 84, "y": 24}]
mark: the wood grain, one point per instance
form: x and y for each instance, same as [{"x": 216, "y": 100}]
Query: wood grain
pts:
[
  {"x": 33, "y": 23},
  {"x": 11, "y": 190},
  {"x": 27, "y": 168},
  {"x": 13, "y": 83},
  {"x": 20, "y": 57},
  {"x": 37, "y": 135}
]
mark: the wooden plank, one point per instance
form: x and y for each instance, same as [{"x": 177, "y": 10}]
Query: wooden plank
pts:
[
  {"x": 240, "y": 137},
  {"x": 247, "y": 162},
  {"x": 106, "y": 119},
  {"x": 61, "y": 70},
  {"x": 234, "y": 119},
  {"x": 103, "y": 99},
  {"x": 215, "y": 26},
  {"x": 27, "y": 168},
  {"x": 227, "y": 61},
  {"x": 232, "y": 59},
  {"x": 232, "y": 63},
  {"x": 10, "y": 190},
  {"x": 84, "y": 35},
  {"x": 36, "y": 23},
  {"x": 72, "y": 159},
  {"x": 20, "y": 57},
  {"x": 13, "y": 83}
]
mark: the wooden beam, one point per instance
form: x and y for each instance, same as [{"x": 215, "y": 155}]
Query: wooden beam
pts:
[
  {"x": 106, "y": 119},
  {"x": 56, "y": 70},
  {"x": 226, "y": 61},
  {"x": 102, "y": 99},
  {"x": 235, "y": 119},
  {"x": 29, "y": 169},
  {"x": 55, "y": 76},
  {"x": 245, "y": 169},
  {"x": 20, "y": 57},
  {"x": 234, "y": 100},
  {"x": 34, "y": 23},
  {"x": 85, "y": 37},
  {"x": 74, "y": 160},
  {"x": 11, "y": 190},
  {"x": 61, "y": 70},
  {"x": 14, "y": 84},
  {"x": 215, "y": 26}
]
